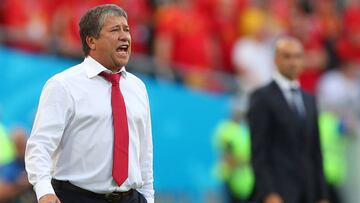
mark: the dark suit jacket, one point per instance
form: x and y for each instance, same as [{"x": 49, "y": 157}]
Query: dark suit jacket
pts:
[{"x": 286, "y": 154}]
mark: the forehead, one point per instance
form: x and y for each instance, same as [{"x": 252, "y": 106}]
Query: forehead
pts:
[
  {"x": 115, "y": 21},
  {"x": 290, "y": 47}
]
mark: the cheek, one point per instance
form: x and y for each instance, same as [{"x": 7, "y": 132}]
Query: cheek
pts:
[
  {"x": 297, "y": 70},
  {"x": 299, "y": 64},
  {"x": 300, "y": 69},
  {"x": 103, "y": 46}
]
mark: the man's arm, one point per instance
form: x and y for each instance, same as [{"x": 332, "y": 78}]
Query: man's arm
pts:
[
  {"x": 54, "y": 111},
  {"x": 8, "y": 190},
  {"x": 259, "y": 122},
  {"x": 146, "y": 159}
]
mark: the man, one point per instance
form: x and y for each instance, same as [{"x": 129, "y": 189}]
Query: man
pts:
[
  {"x": 286, "y": 151},
  {"x": 7, "y": 149},
  {"x": 232, "y": 140},
  {"x": 14, "y": 186},
  {"x": 91, "y": 141}
]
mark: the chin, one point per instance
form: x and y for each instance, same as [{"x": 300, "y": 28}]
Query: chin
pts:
[{"x": 121, "y": 63}]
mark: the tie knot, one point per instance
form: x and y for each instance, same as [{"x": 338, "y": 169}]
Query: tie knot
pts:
[{"x": 113, "y": 78}]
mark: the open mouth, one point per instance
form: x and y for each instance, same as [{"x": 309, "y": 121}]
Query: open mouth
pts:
[{"x": 123, "y": 48}]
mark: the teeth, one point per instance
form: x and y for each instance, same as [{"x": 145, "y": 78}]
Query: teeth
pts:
[{"x": 122, "y": 48}]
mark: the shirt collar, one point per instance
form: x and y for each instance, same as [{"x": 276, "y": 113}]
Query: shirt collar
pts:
[
  {"x": 94, "y": 68},
  {"x": 284, "y": 83}
]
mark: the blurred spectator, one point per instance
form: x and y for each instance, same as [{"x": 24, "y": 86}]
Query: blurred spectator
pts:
[
  {"x": 329, "y": 19},
  {"x": 6, "y": 147},
  {"x": 280, "y": 11},
  {"x": 26, "y": 24},
  {"x": 140, "y": 22},
  {"x": 306, "y": 27},
  {"x": 232, "y": 139},
  {"x": 2, "y": 15},
  {"x": 14, "y": 185},
  {"x": 333, "y": 144},
  {"x": 183, "y": 42},
  {"x": 224, "y": 20},
  {"x": 348, "y": 46},
  {"x": 252, "y": 53},
  {"x": 65, "y": 39},
  {"x": 333, "y": 98},
  {"x": 64, "y": 28},
  {"x": 339, "y": 92}
]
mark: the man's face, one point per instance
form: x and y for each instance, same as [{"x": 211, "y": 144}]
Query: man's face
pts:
[
  {"x": 289, "y": 58},
  {"x": 113, "y": 47}
]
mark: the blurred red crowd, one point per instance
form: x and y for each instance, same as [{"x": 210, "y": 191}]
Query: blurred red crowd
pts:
[
  {"x": 198, "y": 35},
  {"x": 52, "y": 25}
]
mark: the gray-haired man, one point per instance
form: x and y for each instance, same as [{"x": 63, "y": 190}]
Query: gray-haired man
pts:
[{"x": 91, "y": 140}]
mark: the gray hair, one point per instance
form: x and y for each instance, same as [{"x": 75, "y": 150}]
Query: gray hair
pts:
[{"x": 93, "y": 20}]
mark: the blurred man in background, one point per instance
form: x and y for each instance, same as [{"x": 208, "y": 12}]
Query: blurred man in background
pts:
[
  {"x": 252, "y": 51},
  {"x": 232, "y": 139},
  {"x": 92, "y": 140},
  {"x": 181, "y": 47},
  {"x": 286, "y": 153},
  {"x": 14, "y": 186},
  {"x": 346, "y": 106},
  {"x": 6, "y": 146}
]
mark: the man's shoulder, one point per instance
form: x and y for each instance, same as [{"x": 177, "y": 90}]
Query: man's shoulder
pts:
[
  {"x": 264, "y": 90},
  {"x": 69, "y": 73},
  {"x": 64, "y": 79}
]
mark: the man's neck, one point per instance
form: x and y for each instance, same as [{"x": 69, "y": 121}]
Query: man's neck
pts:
[
  {"x": 110, "y": 68},
  {"x": 113, "y": 70},
  {"x": 285, "y": 82}
]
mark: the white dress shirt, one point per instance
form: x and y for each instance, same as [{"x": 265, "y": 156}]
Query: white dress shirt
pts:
[
  {"x": 72, "y": 136},
  {"x": 286, "y": 85}
]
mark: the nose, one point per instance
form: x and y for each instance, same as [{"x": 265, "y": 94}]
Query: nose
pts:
[{"x": 124, "y": 36}]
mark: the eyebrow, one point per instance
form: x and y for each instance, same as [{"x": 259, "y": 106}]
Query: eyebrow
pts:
[
  {"x": 115, "y": 26},
  {"x": 118, "y": 26}
]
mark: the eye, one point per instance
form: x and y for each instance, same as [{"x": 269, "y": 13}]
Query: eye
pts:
[{"x": 114, "y": 30}]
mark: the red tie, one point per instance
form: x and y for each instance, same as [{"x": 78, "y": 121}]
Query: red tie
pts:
[{"x": 121, "y": 131}]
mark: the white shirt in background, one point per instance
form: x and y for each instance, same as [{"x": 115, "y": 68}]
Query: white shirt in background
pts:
[{"x": 256, "y": 58}]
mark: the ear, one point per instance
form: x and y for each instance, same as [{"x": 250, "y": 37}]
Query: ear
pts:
[{"x": 91, "y": 42}]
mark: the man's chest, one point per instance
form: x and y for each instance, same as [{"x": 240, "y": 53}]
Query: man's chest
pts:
[{"x": 94, "y": 102}]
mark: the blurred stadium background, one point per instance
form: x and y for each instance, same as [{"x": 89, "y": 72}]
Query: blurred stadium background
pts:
[{"x": 199, "y": 60}]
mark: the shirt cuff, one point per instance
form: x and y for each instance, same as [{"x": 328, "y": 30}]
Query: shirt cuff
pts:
[
  {"x": 43, "y": 188},
  {"x": 149, "y": 200}
]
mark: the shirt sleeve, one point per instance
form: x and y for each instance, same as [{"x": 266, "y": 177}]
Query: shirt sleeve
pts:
[
  {"x": 146, "y": 159},
  {"x": 54, "y": 111}
]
